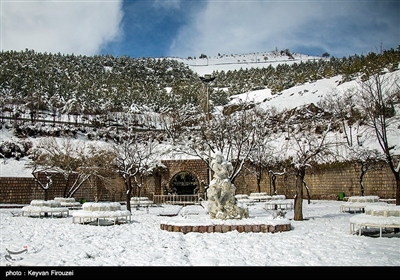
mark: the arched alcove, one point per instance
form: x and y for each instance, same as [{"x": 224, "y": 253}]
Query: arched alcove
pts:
[{"x": 184, "y": 183}]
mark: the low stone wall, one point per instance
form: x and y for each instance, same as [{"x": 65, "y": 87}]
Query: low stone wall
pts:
[{"x": 225, "y": 228}]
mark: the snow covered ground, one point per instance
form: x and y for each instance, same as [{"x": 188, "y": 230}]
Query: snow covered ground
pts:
[{"x": 322, "y": 239}]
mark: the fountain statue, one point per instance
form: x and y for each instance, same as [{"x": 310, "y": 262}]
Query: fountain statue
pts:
[{"x": 221, "y": 201}]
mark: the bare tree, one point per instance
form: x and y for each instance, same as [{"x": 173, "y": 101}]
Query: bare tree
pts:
[
  {"x": 378, "y": 98},
  {"x": 76, "y": 161},
  {"x": 262, "y": 156},
  {"x": 369, "y": 159},
  {"x": 343, "y": 107},
  {"x": 97, "y": 162},
  {"x": 44, "y": 185},
  {"x": 135, "y": 157},
  {"x": 272, "y": 175},
  {"x": 232, "y": 135},
  {"x": 304, "y": 147},
  {"x": 176, "y": 122}
]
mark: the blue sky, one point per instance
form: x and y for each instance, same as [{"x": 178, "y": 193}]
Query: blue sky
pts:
[{"x": 182, "y": 28}]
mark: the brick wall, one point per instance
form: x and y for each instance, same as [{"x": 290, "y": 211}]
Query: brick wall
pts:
[
  {"x": 23, "y": 190},
  {"x": 324, "y": 182},
  {"x": 345, "y": 177}
]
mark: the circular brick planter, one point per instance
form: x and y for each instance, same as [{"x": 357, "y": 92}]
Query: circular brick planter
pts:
[{"x": 226, "y": 228}]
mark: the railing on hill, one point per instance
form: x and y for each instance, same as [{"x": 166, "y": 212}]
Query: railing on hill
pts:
[
  {"x": 178, "y": 199},
  {"x": 79, "y": 124}
]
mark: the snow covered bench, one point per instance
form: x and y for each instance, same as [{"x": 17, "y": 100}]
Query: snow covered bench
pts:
[
  {"x": 259, "y": 196},
  {"x": 68, "y": 202},
  {"x": 141, "y": 201},
  {"x": 44, "y": 208},
  {"x": 101, "y": 211},
  {"x": 278, "y": 197},
  {"x": 359, "y": 203},
  {"x": 278, "y": 202},
  {"x": 388, "y": 200},
  {"x": 244, "y": 198},
  {"x": 376, "y": 216}
]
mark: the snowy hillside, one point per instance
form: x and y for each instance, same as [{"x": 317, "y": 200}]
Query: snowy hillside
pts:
[
  {"x": 232, "y": 62},
  {"x": 289, "y": 98},
  {"x": 295, "y": 96},
  {"x": 310, "y": 92}
]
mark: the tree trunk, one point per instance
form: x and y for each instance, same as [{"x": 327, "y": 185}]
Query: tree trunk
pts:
[
  {"x": 46, "y": 197},
  {"x": 308, "y": 192},
  {"x": 67, "y": 184},
  {"x": 139, "y": 189},
  {"x": 128, "y": 185},
  {"x": 128, "y": 202},
  {"x": 397, "y": 188},
  {"x": 364, "y": 169},
  {"x": 298, "y": 199},
  {"x": 272, "y": 183},
  {"x": 258, "y": 176},
  {"x": 396, "y": 230}
]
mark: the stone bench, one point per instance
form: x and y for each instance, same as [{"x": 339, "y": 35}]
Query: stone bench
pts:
[
  {"x": 376, "y": 216},
  {"x": 101, "y": 211},
  {"x": 43, "y": 208}
]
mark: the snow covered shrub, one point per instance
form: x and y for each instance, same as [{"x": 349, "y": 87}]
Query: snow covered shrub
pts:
[{"x": 19, "y": 149}]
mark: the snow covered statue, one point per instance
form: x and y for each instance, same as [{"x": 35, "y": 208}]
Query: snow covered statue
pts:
[{"x": 221, "y": 201}]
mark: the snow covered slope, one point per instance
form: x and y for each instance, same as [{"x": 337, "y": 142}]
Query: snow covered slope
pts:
[{"x": 232, "y": 62}]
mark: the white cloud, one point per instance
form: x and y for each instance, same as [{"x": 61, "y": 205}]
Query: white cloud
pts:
[
  {"x": 79, "y": 27},
  {"x": 230, "y": 27}
]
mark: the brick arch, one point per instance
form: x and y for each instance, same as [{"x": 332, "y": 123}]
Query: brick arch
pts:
[
  {"x": 196, "y": 167},
  {"x": 185, "y": 186}
]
